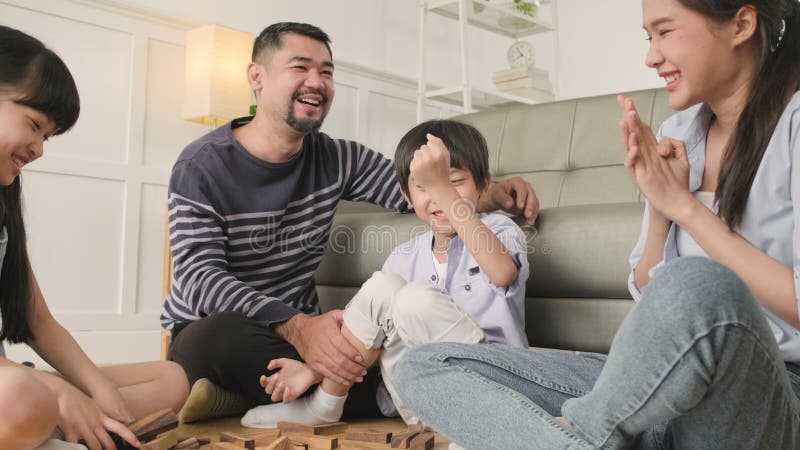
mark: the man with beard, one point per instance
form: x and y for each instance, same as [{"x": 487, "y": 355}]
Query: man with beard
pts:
[{"x": 250, "y": 209}]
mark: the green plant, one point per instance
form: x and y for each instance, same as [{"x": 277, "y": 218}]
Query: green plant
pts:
[{"x": 525, "y": 7}]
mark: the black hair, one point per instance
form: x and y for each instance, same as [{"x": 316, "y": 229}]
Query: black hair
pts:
[
  {"x": 43, "y": 82},
  {"x": 776, "y": 81},
  {"x": 467, "y": 146},
  {"x": 270, "y": 38}
]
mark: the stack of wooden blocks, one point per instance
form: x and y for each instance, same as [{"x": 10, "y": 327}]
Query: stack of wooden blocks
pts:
[
  {"x": 529, "y": 82},
  {"x": 159, "y": 432}
]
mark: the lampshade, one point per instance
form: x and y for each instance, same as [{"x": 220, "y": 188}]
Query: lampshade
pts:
[{"x": 215, "y": 85}]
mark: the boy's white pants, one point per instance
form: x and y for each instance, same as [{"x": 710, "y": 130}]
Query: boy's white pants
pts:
[{"x": 389, "y": 312}]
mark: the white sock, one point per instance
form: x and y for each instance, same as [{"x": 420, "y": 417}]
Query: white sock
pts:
[
  {"x": 56, "y": 444},
  {"x": 319, "y": 407}
]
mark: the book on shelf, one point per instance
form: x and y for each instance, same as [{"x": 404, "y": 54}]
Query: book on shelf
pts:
[
  {"x": 542, "y": 84},
  {"x": 519, "y": 72},
  {"x": 533, "y": 94}
]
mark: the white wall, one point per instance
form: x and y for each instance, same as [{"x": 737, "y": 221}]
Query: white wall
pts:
[
  {"x": 601, "y": 43},
  {"x": 95, "y": 203},
  {"x": 602, "y": 48}
]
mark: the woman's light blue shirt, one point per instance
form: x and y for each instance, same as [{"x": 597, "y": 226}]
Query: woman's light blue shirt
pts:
[{"x": 773, "y": 207}]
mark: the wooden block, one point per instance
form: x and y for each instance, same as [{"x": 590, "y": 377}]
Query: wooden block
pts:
[
  {"x": 151, "y": 426},
  {"x": 224, "y": 446},
  {"x": 292, "y": 427},
  {"x": 297, "y": 446},
  {"x": 416, "y": 427},
  {"x": 241, "y": 441},
  {"x": 282, "y": 443},
  {"x": 165, "y": 442},
  {"x": 401, "y": 440},
  {"x": 187, "y": 443},
  {"x": 263, "y": 437},
  {"x": 328, "y": 429},
  {"x": 313, "y": 441},
  {"x": 170, "y": 434},
  {"x": 422, "y": 441},
  {"x": 346, "y": 444},
  {"x": 383, "y": 437},
  {"x": 324, "y": 429}
]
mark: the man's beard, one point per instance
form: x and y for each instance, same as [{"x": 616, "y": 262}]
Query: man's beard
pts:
[{"x": 305, "y": 125}]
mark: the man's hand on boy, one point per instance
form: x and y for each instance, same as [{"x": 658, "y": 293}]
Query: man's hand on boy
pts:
[
  {"x": 320, "y": 343},
  {"x": 514, "y": 196}
]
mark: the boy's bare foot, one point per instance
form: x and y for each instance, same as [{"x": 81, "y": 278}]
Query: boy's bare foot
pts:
[{"x": 290, "y": 381}]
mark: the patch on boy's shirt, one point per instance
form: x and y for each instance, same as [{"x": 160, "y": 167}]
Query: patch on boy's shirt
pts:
[{"x": 474, "y": 270}]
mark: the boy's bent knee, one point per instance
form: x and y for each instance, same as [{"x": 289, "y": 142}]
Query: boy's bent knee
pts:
[
  {"x": 424, "y": 313},
  {"x": 381, "y": 286},
  {"x": 375, "y": 297}
]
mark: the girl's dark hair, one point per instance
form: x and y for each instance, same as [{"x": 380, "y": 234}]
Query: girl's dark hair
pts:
[
  {"x": 42, "y": 81},
  {"x": 467, "y": 146},
  {"x": 777, "y": 79}
]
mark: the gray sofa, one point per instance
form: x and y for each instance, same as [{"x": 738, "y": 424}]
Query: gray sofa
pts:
[{"x": 588, "y": 222}]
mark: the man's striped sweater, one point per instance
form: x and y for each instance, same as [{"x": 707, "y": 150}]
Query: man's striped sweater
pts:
[{"x": 247, "y": 235}]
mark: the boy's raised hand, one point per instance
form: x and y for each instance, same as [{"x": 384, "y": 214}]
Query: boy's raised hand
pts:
[{"x": 430, "y": 165}]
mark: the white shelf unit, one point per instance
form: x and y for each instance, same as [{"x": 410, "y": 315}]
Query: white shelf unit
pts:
[{"x": 484, "y": 14}]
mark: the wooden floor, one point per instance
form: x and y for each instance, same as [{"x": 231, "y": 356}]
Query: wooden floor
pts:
[{"x": 212, "y": 428}]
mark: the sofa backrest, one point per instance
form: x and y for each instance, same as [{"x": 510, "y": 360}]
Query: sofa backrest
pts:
[{"x": 588, "y": 223}]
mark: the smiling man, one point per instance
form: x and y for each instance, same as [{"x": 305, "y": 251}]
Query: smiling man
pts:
[{"x": 250, "y": 209}]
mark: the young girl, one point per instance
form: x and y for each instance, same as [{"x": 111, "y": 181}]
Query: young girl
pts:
[
  {"x": 38, "y": 100},
  {"x": 710, "y": 356}
]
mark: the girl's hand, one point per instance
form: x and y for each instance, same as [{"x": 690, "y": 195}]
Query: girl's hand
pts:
[
  {"x": 430, "y": 166},
  {"x": 81, "y": 419},
  {"x": 659, "y": 169},
  {"x": 108, "y": 398}
]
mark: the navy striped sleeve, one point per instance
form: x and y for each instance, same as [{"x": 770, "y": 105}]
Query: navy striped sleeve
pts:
[{"x": 369, "y": 176}]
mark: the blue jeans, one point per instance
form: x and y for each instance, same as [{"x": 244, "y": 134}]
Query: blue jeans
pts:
[{"x": 693, "y": 366}]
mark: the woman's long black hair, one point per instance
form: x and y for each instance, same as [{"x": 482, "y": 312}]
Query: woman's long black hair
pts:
[
  {"x": 777, "y": 79},
  {"x": 38, "y": 78}
]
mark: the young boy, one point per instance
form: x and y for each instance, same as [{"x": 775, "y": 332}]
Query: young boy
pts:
[{"x": 462, "y": 281}]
